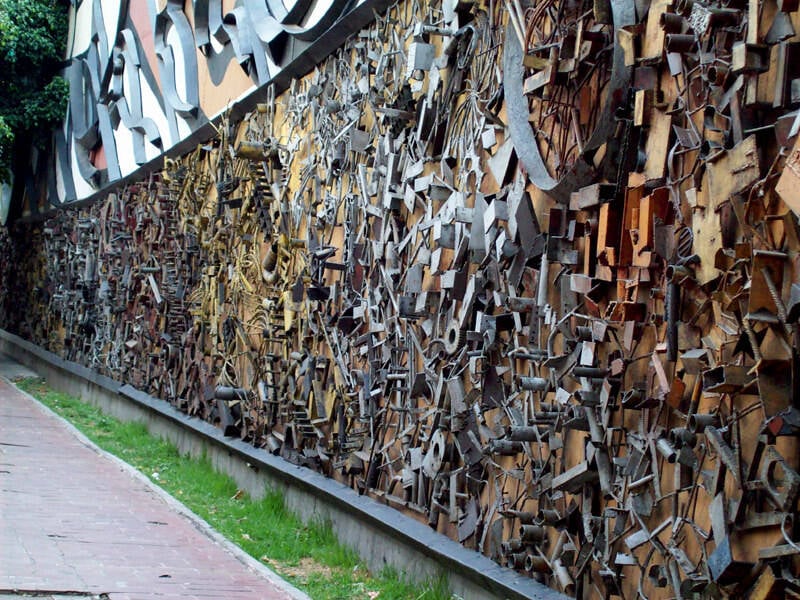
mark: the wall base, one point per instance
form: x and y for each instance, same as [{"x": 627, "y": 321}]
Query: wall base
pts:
[{"x": 381, "y": 535}]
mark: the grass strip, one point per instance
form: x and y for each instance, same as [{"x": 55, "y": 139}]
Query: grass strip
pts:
[{"x": 306, "y": 554}]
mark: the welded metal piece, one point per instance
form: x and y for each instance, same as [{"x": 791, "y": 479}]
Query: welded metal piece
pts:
[{"x": 524, "y": 137}]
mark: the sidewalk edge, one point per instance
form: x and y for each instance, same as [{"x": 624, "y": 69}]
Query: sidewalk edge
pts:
[{"x": 197, "y": 521}]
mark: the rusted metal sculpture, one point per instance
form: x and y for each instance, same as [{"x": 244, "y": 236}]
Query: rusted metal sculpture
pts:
[{"x": 583, "y": 364}]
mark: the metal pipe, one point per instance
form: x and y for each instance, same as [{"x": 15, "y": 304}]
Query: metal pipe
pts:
[
  {"x": 224, "y": 392},
  {"x": 667, "y": 450},
  {"x": 698, "y": 423},
  {"x": 544, "y": 270},
  {"x": 589, "y": 372},
  {"x": 532, "y": 533},
  {"x": 671, "y": 303},
  {"x": 536, "y": 564},
  {"x": 524, "y": 517},
  {"x": 534, "y": 384},
  {"x": 679, "y": 42},
  {"x": 672, "y": 23},
  {"x": 525, "y": 433}
]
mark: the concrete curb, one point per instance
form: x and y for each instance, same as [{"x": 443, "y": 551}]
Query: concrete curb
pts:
[
  {"x": 380, "y": 534},
  {"x": 174, "y": 504}
]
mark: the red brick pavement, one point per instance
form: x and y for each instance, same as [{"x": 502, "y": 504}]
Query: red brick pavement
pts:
[{"x": 73, "y": 519}]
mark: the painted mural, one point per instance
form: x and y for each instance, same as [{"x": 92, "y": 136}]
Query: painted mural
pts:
[{"x": 147, "y": 75}]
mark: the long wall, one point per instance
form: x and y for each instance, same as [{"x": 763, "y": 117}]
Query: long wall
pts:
[{"x": 526, "y": 273}]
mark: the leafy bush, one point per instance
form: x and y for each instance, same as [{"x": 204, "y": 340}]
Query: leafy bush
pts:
[
  {"x": 33, "y": 97},
  {"x": 6, "y": 145}
]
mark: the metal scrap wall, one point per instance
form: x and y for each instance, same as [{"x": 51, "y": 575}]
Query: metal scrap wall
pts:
[{"x": 520, "y": 271}]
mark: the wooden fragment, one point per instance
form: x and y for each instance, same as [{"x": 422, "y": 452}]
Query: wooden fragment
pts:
[{"x": 653, "y": 38}]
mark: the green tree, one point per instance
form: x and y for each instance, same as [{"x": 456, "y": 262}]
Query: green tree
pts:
[{"x": 33, "y": 97}]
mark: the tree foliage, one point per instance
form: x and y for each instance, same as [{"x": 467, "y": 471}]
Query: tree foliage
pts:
[{"x": 33, "y": 97}]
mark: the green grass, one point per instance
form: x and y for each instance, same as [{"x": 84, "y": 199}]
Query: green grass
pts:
[{"x": 307, "y": 554}]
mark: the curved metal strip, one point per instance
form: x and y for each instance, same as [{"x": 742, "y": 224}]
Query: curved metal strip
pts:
[
  {"x": 308, "y": 32},
  {"x": 129, "y": 107},
  {"x": 518, "y": 111},
  {"x": 174, "y": 16},
  {"x": 522, "y": 134},
  {"x": 623, "y": 14}
]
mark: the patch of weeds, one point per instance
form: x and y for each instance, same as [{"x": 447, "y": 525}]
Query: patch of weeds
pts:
[{"x": 306, "y": 554}]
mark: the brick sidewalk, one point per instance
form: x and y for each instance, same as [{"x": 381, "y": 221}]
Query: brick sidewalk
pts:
[{"x": 75, "y": 520}]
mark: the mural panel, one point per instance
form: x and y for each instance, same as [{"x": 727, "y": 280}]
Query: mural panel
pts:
[{"x": 145, "y": 76}]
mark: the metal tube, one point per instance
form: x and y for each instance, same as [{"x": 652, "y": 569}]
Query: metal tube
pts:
[
  {"x": 531, "y": 533},
  {"x": 505, "y": 447},
  {"x": 667, "y": 450},
  {"x": 524, "y": 517},
  {"x": 516, "y": 560},
  {"x": 524, "y": 433},
  {"x": 679, "y": 42},
  {"x": 671, "y": 303},
  {"x": 671, "y": 22},
  {"x": 224, "y": 392},
  {"x": 590, "y": 372},
  {"x": 534, "y": 384},
  {"x": 544, "y": 270},
  {"x": 699, "y": 422},
  {"x": 536, "y": 564},
  {"x": 510, "y": 546}
]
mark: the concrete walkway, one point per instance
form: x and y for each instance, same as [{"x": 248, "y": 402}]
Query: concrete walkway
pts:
[{"x": 76, "y": 521}]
